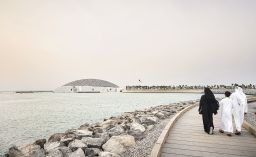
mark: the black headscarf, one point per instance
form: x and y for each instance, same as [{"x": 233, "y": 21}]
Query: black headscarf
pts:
[{"x": 210, "y": 98}]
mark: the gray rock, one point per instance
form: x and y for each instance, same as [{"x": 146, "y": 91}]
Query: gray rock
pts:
[
  {"x": 40, "y": 142},
  {"x": 33, "y": 151},
  {"x": 160, "y": 115},
  {"x": 119, "y": 144},
  {"x": 15, "y": 152},
  {"x": 93, "y": 142},
  {"x": 56, "y": 137},
  {"x": 150, "y": 127},
  {"x": 74, "y": 145},
  {"x": 115, "y": 131},
  {"x": 108, "y": 124},
  {"x": 51, "y": 145},
  {"x": 105, "y": 136},
  {"x": 149, "y": 120},
  {"x": 137, "y": 130},
  {"x": 78, "y": 153},
  {"x": 173, "y": 111},
  {"x": 85, "y": 126},
  {"x": 137, "y": 135},
  {"x": 65, "y": 150},
  {"x": 69, "y": 135},
  {"x": 92, "y": 151},
  {"x": 66, "y": 141},
  {"x": 137, "y": 127},
  {"x": 97, "y": 130},
  {"x": 167, "y": 113},
  {"x": 83, "y": 133},
  {"x": 89, "y": 152},
  {"x": 30, "y": 150},
  {"x": 108, "y": 154},
  {"x": 54, "y": 153}
]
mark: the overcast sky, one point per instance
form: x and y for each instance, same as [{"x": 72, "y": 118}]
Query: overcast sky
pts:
[{"x": 47, "y": 43}]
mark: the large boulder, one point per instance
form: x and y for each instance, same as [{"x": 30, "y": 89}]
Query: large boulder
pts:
[
  {"x": 56, "y": 137},
  {"x": 74, "y": 145},
  {"x": 137, "y": 127},
  {"x": 160, "y": 115},
  {"x": 85, "y": 126},
  {"x": 54, "y": 153},
  {"x": 117, "y": 130},
  {"x": 108, "y": 154},
  {"x": 149, "y": 120},
  {"x": 137, "y": 130},
  {"x": 66, "y": 141},
  {"x": 119, "y": 144},
  {"x": 31, "y": 150},
  {"x": 65, "y": 150},
  {"x": 78, "y": 153},
  {"x": 40, "y": 142},
  {"x": 107, "y": 124},
  {"x": 51, "y": 145},
  {"x": 93, "y": 142},
  {"x": 91, "y": 152},
  {"x": 150, "y": 127},
  {"x": 15, "y": 152},
  {"x": 83, "y": 133},
  {"x": 105, "y": 136},
  {"x": 97, "y": 130},
  {"x": 69, "y": 135}
]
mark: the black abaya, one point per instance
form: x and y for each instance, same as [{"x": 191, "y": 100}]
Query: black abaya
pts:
[{"x": 207, "y": 108}]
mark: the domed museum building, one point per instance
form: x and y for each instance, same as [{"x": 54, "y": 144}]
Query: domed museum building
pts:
[{"x": 88, "y": 86}]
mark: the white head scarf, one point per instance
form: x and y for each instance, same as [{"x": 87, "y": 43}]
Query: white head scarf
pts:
[{"x": 241, "y": 94}]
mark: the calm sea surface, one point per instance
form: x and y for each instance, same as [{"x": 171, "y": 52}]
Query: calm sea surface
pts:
[{"x": 27, "y": 117}]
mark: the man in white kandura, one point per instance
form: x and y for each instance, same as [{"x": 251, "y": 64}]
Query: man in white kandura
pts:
[
  {"x": 226, "y": 106},
  {"x": 239, "y": 101}
]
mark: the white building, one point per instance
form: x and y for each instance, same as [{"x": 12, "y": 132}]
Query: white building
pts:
[{"x": 88, "y": 86}]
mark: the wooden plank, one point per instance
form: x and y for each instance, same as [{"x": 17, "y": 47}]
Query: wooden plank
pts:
[
  {"x": 198, "y": 153},
  {"x": 173, "y": 154},
  {"x": 212, "y": 142},
  {"x": 211, "y": 149},
  {"x": 244, "y": 136},
  {"x": 213, "y": 145}
]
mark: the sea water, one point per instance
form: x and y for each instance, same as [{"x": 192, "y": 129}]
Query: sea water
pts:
[{"x": 27, "y": 117}]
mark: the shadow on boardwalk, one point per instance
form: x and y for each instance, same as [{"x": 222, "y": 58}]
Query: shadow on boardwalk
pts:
[{"x": 187, "y": 138}]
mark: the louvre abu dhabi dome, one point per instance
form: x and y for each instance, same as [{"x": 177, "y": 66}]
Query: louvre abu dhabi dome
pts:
[{"x": 88, "y": 86}]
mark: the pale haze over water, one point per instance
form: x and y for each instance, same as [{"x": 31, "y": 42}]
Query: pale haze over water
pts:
[{"x": 45, "y": 44}]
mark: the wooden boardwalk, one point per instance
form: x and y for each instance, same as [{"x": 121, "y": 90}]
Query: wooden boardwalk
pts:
[{"x": 187, "y": 138}]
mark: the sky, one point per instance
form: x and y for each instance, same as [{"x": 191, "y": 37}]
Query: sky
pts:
[{"x": 47, "y": 43}]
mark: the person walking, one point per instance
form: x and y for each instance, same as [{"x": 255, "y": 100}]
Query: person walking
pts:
[
  {"x": 207, "y": 107},
  {"x": 226, "y": 106},
  {"x": 239, "y": 101}
]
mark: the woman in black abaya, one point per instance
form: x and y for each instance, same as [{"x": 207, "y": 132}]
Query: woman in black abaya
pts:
[{"x": 207, "y": 107}]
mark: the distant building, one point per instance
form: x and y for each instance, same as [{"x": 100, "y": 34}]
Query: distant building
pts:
[{"x": 88, "y": 86}]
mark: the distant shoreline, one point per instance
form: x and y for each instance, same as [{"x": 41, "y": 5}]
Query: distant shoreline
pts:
[
  {"x": 199, "y": 91},
  {"x": 33, "y": 92}
]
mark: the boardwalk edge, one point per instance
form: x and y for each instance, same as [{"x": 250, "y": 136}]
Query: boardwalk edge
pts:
[
  {"x": 156, "y": 151},
  {"x": 251, "y": 129}
]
